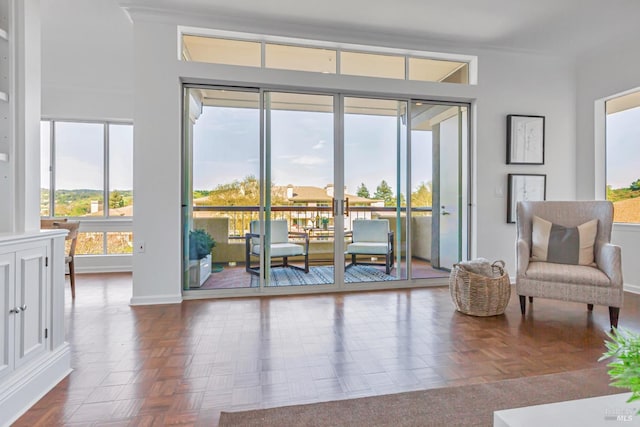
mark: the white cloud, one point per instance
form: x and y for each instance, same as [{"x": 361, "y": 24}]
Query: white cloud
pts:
[{"x": 320, "y": 145}]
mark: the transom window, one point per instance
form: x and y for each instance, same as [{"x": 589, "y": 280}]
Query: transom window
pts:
[{"x": 323, "y": 57}]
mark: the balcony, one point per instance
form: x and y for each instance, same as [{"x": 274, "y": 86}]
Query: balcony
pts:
[{"x": 229, "y": 224}]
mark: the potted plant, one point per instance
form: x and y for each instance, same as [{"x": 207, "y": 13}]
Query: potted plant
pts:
[
  {"x": 625, "y": 370},
  {"x": 200, "y": 244}
]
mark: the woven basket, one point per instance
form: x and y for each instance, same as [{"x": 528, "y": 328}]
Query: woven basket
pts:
[{"x": 479, "y": 295}]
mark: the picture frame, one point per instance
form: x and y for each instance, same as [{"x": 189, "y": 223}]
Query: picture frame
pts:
[
  {"x": 525, "y": 140},
  {"x": 524, "y": 187}
]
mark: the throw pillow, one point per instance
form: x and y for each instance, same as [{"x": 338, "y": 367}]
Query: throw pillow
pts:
[{"x": 563, "y": 245}]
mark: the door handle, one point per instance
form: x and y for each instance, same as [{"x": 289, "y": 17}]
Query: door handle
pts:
[
  {"x": 444, "y": 212},
  {"x": 23, "y": 307},
  {"x": 346, "y": 210},
  {"x": 333, "y": 207},
  {"x": 15, "y": 310}
]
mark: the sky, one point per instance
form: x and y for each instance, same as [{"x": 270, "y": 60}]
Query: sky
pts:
[
  {"x": 79, "y": 156},
  {"x": 226, "y": 148},
  {"x": 623, "y": 148}
]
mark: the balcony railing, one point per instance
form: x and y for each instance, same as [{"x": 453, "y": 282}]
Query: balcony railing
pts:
[{"x": 316, "y": 220}]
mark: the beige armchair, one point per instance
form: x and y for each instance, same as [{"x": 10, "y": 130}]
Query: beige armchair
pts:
[{"x": 599, "y": 283}]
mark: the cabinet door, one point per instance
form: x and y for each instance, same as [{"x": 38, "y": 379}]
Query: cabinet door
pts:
[
  {"x": 31, "y": 293},
  {"x": 7, "y": 320}
]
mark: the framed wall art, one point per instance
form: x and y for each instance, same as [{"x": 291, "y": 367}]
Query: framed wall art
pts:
[
  {"x": 525, "y": 140},
  {"x": 524, "y": 187}
]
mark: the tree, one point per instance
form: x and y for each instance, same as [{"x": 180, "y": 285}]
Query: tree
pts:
[
  {"x": 363, "y": 191},
  {"x": 116, "y": 200},
  {"x": 384, "y": 192},
  {"x": 635, "y": 185},
  {"x": 422, "y": 196}
]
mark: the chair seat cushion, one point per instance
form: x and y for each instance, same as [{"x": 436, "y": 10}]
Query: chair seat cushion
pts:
[
  {"x": 567, "y": 273},
  {"x": 282, "y": 249},
  {"x": 371, "y": 248}
]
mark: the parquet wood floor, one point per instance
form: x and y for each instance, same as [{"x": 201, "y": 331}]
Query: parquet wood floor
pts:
[{"x": 182, "y": 364}]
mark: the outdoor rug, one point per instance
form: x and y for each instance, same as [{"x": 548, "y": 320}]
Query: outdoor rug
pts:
[
  {"x": 284, "y": 276},
  {"x": 469, "y": 405}
]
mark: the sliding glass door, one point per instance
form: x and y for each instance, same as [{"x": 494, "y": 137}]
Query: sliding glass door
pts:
[
  {"x": 299, "y": 170},
  {"x": 326, "y": 191},
  {"x": 375, "y": 148}
]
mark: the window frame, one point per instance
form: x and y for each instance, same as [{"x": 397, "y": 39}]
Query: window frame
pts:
[
  {"x": 106, "y": 164},
  {"x": 601, "y": 151}
]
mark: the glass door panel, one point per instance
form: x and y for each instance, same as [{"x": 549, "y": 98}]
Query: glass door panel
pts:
[
  {"x": 299, "y": 172},
  {"x": 375, "y": 137},
  {"x": 221, "y": 186},
  {"x": 437, "y": 133}
]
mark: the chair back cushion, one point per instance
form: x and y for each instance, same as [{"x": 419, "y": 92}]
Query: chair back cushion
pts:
[
  {"x": 566, "y": 214},
  {"x": 563, "y": 245},
  {"x": 279, "y": 231},
  {"x": 371, "y": 230}
]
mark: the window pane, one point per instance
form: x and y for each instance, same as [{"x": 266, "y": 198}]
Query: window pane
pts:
[
  {"x": 372, "y": 65},
  {"x": 79, "y": 169},
  {"x": 120, "y": 243},
  {"x": 90, "y": 243},
  {"x": 45, "y": 167},
  {"x": 623, "y": 155},
  {"x": 300, "y": 58},
  {"x": 221, "y": 51},
  {"x": 120, "y": 170},
  {"x": 432, "y": 70}
]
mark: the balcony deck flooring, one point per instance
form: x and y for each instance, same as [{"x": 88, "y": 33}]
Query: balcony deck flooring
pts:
[{"x": 235, "y": 277}]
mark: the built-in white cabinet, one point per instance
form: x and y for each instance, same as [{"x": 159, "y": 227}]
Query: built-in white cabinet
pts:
[{"x": 34, "y": 356}]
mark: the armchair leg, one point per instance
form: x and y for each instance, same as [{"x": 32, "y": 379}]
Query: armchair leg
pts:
[
  {"x": 306, "y": 262},
  {"x": 614, "y": 313},
  {"x": 590, "y": 307},
  {"x": 530, "y": 300},
  {"x": 523, "y": 304},
  {"x": 387, "y": 264}
]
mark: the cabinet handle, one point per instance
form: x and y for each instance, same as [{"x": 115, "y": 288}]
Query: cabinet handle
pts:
[
  {"x": 24, "y": 307},
  {"x": 15, "y": 310}
]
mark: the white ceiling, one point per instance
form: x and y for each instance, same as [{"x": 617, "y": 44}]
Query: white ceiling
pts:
[{"x": 567, "y": 27}]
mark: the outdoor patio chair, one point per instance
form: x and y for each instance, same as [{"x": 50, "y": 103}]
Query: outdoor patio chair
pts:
[
  {"x": 72, "y": 236},
  {"x": 281, "y": 245},
  {"x": 371, "y": 237},
  {"x": 564, "y": 252}
]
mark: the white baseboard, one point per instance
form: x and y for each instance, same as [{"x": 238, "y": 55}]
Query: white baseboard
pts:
[
  {"x": 32, "y": 385},
  {"x": 105, "y": 269},
  {"x": 634, "y": 289},
  {"x": 158, "y": 299}
]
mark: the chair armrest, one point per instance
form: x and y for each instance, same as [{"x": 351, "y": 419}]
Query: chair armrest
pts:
[
  {"x": 609, "y": 260},
  {"x": 523, "y": 253},
  {"x": 249, "y": 236},
  {"x": 301, "y": 235}
]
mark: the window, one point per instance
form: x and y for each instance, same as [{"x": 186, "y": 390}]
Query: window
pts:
[
  {"x": 87, "y": 174},
  {"x": 623, "y": 156},
  {"x": 252, "y": 50}
]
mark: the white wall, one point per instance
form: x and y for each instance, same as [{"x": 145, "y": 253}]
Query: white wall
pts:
[
  {"x": 508, "y": 84},
  {"x": 87, "y": 60},
  {"x": 601, "y": 74},
  {"x": 96, "y": 74}
]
